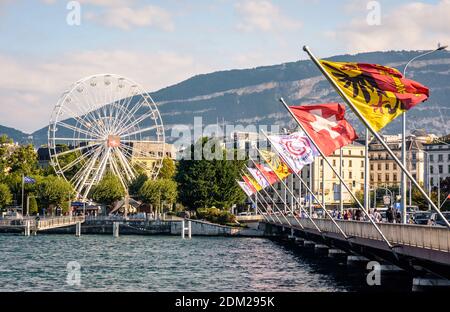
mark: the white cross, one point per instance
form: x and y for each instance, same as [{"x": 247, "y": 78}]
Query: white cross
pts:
[{"x": 324, "y": 123}]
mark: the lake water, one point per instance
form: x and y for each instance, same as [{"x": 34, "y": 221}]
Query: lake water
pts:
[{"x": 164, "y": 263}]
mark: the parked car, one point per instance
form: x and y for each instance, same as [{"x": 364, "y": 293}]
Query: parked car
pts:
[
  {"x": 439, "y": 220},
  {"x": 423, "y": 217}
]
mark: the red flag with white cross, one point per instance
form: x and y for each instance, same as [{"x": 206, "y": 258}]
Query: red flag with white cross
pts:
[{"x": 326, "y": 124}]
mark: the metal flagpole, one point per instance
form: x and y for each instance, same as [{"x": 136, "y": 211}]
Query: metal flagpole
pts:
[
  {"x": 267, "y": 211},
  {"x": 377, "y": 136},
  {"x": 366, "y": 174},
  {"x": 323, "y": 183},
  {"x": 341, "y": 172},
  {"x": 313, "y": 196},
  {"x": 276, "y": 206},
  {"x": 23, "y": 187},
  {"x": 249, "y": 197},
  {"x": 311, "y": 186},
  {"x": 336, "y": 173},
  {"x": 295, "y": 198},
  {"x": 279, "y": 196}
]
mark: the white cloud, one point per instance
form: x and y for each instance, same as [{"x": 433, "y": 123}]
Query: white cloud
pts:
[
  {"x": 412, "y": 26},
  {"x": 32, "y": 87},
  {"x": 263, "y": 15},
  {"x": 126, "y": 18}
]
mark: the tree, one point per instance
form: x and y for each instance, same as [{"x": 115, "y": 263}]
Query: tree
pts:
[
  {"x": 137, "y": 183},
  {"x": 5, "y": 196},
  {"x": 108, "y": 190},
  {"x": 168, "y": 169},
  {"x": 205, "y": 183},
  {"x": 33, "y": 206},
  {"x": 55, "y": 192},
  {"x": 23, "y": 160},
  {"x": 158, "y": 192}
]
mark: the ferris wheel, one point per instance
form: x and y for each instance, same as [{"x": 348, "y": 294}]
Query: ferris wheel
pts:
[{"x": 105, "y": 123}]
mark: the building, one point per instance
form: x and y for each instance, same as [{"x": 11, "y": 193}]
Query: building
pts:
[
  {"x": 384, "y": 171},
  {"x": 437, "y": 163},
  {"x": 147, "y": 154}
]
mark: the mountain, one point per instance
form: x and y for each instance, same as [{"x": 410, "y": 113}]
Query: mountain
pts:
[
  {"x": 250, "y": 96},
  {"x": 16, "y": 135}
]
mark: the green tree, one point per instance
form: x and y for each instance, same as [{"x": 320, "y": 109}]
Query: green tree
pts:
[
  {"x": 55, "y": 192},
  {"x": 5, "y": 196},
  {"x": 108, "y": 190},
  {"x": 23, "y": 160},
  {"x": 137, "y": 183},
  {"x": 33, "y": 206},
  {"x": 159, "y": 192},
  {"x": 168, "y": 169},
  {"x": 205, "y": 183}
]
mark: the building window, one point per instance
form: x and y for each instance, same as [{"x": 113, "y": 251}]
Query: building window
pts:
[
  {"x": 334, "y": 162},
  {"x": 448, "y": 158},
  {"x": 441, "y": 169},
  {"x": 350, "y": 163},
  {"x": 395, "y": 177},
  {"x": 440, "y": 158},
  {"x": 448, "y": 171},
  {"x": 350, "y": 153},
  {"x": 379, "y": 166},
  {"x": 362, "y": 175},
  {"x": 362, "y": 163},
  {"x": 371, "y": 177},
  {"x": 387, "y": 177},
  {"x": 431, "y": 169},
  {"x": 379, "y": 177},
  {"x": 395, "y": 166},
  {"x": 387, "y": 166},
  {"x": 350, "y": 175},
  {"x": 362, "y": 153},
  {"x": 371, "y": 166},
  {"x": 432, "y": 182},
  {"x": 431, "y": 157},
  {"x": 414, "y": 156}
]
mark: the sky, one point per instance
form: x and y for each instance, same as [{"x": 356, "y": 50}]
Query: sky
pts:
[{"x": 46, "y": 45}]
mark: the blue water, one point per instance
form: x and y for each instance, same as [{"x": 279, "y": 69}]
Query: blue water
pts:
[{"x": 159, "y": 263}]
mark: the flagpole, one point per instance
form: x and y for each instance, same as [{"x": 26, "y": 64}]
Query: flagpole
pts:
[
  {"x": 341, "y": 199},
  {"x": 266, "y": 209},
  {"x": 323, "y": 183},
  {"x": 377, "y": 136},
  {"x": 279, "y": 196},
  {"x": 307, "y": 189},
  {"x": 249, "y": 197},
  {"x": 336, "y": 173},
  {"x": 366, "y": 173},
  {"x": 275, "y": 203},
  {"x": 23, "y": 187},
  {"x": 298, "y": 202}
]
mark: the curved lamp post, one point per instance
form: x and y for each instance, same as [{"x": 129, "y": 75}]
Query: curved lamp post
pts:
[{"x": 403, "y": 180}]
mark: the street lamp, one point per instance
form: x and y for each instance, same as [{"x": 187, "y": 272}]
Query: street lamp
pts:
[{"x": 403, "y": 184}]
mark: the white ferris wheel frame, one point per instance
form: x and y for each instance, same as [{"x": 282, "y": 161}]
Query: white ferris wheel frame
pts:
[{"x": 107, "y": 137}]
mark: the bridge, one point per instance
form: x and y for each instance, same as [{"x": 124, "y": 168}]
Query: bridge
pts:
[
  {"x": 412, "y": 247},
  {"x": 31, "y": 225}
]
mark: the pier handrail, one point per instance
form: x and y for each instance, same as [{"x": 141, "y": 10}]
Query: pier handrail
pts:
[{"x": 428, "y": 237}]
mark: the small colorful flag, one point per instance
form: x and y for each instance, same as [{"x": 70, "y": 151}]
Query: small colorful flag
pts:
[
  {"x": 252, "y": 184},
  {"x": 326, "y": 125},
  {"x": 259, "y": 177},
  {"x": 295, "y": 149},
  {"x": 276, "y": 164},
  {"x": 268, "y": 173},
  {"x": 28, "y": 180},
  {"x": 379, "y": 93},
  {"x": 247, "y": 190}
]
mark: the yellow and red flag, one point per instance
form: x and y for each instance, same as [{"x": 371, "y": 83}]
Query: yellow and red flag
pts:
[
  {"x": 276, "y": 164},
  {"x": 378, "y": 92},
  {"x": 252, "y": 184}
]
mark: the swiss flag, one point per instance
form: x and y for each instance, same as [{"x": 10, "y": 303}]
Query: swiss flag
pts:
[
  {"x": 268, "y": 173},
  {"x": 326, "y": 125}
]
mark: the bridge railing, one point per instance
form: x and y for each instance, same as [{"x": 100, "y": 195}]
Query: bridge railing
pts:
[
  {"x": 437, "y": 238},
  {"x": 58, "y": 221}
]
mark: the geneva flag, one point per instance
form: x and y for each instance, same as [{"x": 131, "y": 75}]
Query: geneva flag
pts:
[{"x": 379, "y": 93}]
